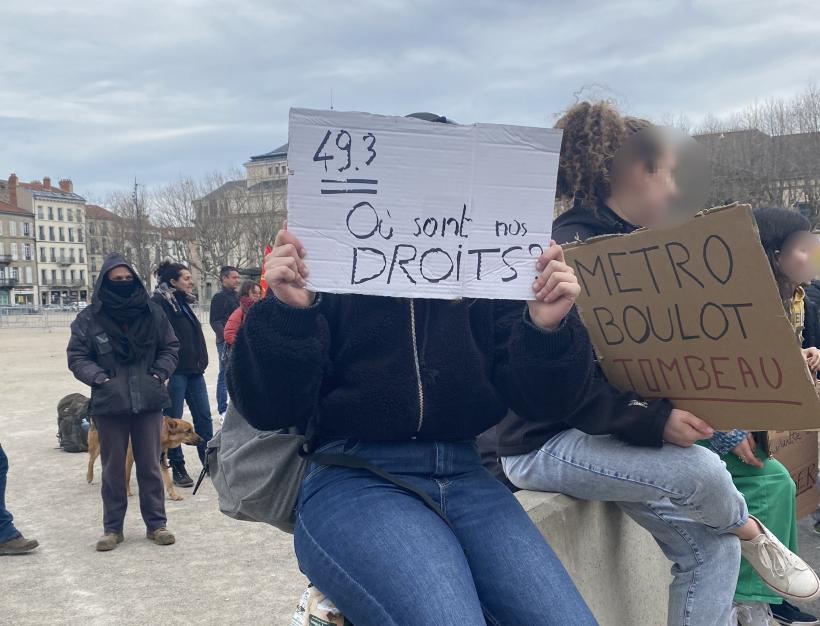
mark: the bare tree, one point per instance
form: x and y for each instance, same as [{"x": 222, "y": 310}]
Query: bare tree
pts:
[{"x": 133, "y": 233}]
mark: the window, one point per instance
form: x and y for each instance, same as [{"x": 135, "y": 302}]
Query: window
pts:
[
  {"x": 93, "y": 264},
  {"x": 82, "y": 256},
  {"x": 62, "y": 233},
  {"x": 70, "y": 215},
  {"x": 71, "y": 234},
  {"x": 60, "y": 213},
  {"x": 51, "y": 233},
  {"x": 62, "y": 275},
  {"x": 27, "y": 251},
  {"x": 1, "y": 228},
  {"x": 40, "y": 212},
  {"x": 42, "y": 255},
  {"x": 80, "y": 237},
  {"x": 51, "y": 213},
  {"x": 54, "y": 277},
  {"x": 42, "y": 233},
  {"x": 45, "y": 277},
  {"x": 53, "y": 254},
  {"x": 13, "y": 229},
  {"x": 62, "y": 254},
  {"x": 72, "y": 276},
  {"x": 79, "y": 215},
  {"x": 91, "y": 228},
  {"x": 26, "y": 229},
  {"x": 1, "y": 248},
  {"x": 29, "y": 277},
  {"x": 13, "y": 247},
  {"x": 270, "y": 170},
  {"x": 15, "y": 273},
  {"x": 82, "y": 275}
]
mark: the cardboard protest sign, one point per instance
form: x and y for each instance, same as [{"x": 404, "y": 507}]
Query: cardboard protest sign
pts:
[
  {"x": 398, "y": 206},
  {"x": 797, "y": 450},
  {"x": 692, "y": 313}
]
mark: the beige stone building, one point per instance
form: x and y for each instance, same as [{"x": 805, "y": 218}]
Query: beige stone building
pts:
[
  {"x": 18, "y": 267},
  {"x": 59, "y": 219}
]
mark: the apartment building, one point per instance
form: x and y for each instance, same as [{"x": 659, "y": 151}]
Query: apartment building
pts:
[
  {"x": 18, "y": 270},
  {"x": 59, "y": 222}
]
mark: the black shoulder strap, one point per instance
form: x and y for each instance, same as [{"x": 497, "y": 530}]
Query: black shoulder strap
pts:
[{"x": 346, "y": 460}]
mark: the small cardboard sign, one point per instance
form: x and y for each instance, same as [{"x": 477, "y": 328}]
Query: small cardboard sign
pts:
[
  {"x": 797, "y": 450},
  {"x": 398, "y": 206},
  {"x": 692, "y": 313}
]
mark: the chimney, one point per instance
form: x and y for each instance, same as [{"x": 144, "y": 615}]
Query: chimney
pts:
[
  {"x": 46, "y": 182},
  {"x": 12, "y": 189},
  {"x": 66, "y": 185}
]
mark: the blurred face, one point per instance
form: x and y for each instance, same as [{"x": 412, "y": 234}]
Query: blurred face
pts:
[
  {"x": 649, "y": 193},
  {"x": 255, "y": 294},
  {"x": 185, "y": 282},
  {"x": 231, "y": 281},
  {"x": 120, "y": 274},
  {"x": 798, "y": 257}
]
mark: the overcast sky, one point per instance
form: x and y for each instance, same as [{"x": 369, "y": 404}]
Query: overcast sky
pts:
[{"x": 102, "y": 92}]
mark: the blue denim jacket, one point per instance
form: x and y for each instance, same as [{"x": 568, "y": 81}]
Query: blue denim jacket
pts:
[{"x": 723, "y": 442}]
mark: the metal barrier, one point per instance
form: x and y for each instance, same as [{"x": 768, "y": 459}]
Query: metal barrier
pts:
[{"x": 57, "y": 317}]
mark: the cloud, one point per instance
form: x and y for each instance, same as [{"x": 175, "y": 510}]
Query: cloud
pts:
[{"x": 104, "y": 92}]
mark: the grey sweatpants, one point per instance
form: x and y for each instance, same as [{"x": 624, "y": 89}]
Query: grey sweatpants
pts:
[{"x": 144, "y": 430}]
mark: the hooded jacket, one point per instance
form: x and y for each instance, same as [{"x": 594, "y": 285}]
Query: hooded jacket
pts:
[
  {"x": 120, "y": 388},
  {"x": 603, "y": 410}
]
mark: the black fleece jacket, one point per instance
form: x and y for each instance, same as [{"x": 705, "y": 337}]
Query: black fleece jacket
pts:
[
  {"x": 603, "y": 410},
  {"x": 392, "y": 369}
]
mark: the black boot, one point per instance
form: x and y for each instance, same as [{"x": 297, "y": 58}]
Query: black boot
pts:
[{"x": 181, "y": 478}]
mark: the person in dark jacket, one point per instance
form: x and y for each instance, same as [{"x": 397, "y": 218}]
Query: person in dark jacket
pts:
[
  {"x": 225, "y": 302},
  {"x": 175, "y": 294},
  {"x": 407, "y": 384},
  {"x": 124, "y": 348},
  {"x": 651, "y": 468}
]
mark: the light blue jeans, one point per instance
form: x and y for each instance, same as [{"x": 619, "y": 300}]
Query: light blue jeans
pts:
[
  {"x": 386, "y": 559},
  {"x": 683, "y": 496}
]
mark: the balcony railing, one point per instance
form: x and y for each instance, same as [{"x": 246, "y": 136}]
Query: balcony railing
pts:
[
  {"x": 9, "y": 282},
  {"x": 5, "y": 259},
  {"x": 59, "y": 282}
]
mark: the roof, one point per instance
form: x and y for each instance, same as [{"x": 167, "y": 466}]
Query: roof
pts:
[
  {"x": 280, "y": 154},
  {"x": 54, "y": 193},
  {"x": 7, "y": 208},
  {"x": 96, "y": 212}
]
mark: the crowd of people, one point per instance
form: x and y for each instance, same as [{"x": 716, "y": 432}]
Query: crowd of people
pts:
[{"x": 436, "y": 393}]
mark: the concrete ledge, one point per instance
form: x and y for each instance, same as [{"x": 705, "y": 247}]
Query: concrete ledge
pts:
[{"x": 617, "y": 566}]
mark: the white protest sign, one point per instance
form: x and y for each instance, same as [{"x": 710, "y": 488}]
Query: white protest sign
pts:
[{"x": 398, "y": 206}]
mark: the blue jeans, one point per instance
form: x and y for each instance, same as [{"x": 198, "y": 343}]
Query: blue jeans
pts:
[
  {"x": 7, "y": 529},
  {"x": 191, "y": 389},
  {"x": 385, "y": 558},
  {"x": 221, "y": 388},
  {"x": 683, "y": 496}
]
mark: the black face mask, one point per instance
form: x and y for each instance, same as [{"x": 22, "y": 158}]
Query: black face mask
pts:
[{"x": 121, "y": 288}]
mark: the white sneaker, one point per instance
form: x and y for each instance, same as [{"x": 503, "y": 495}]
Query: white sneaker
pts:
[
  {"x": 781, "y": 569},
  {"x": 753, "y": 614}
]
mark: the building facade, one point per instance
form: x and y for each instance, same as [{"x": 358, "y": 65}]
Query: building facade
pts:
[
  {"x": 59, "y": 220},
  {"x": 18, "y": 267},
  {"x": 101, "y": 226}
]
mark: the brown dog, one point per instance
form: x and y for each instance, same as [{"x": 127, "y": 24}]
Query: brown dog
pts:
[{"x": 174, "y": 432}]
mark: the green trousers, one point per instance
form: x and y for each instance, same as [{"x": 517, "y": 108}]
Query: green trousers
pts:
[{"x": 770, "y": 496}]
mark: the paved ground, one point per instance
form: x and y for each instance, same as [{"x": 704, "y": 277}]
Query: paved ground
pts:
[{"x": 220, "y": 571}]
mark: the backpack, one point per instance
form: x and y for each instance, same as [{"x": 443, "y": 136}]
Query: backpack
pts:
[
  {"x": 257, "y": 474},
  {"x": 72, "y": 411}
]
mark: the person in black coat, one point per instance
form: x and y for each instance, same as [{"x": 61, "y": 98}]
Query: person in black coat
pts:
[
  {"x": 175, "y": 295},
  {"x": 225, "y": 302},
  {"x": 124, "y": 348}
]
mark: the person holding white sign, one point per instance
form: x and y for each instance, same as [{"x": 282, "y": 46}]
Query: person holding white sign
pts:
[
  {"x": 406, "y": 384},
  {"x": 651, "y": 468}
]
